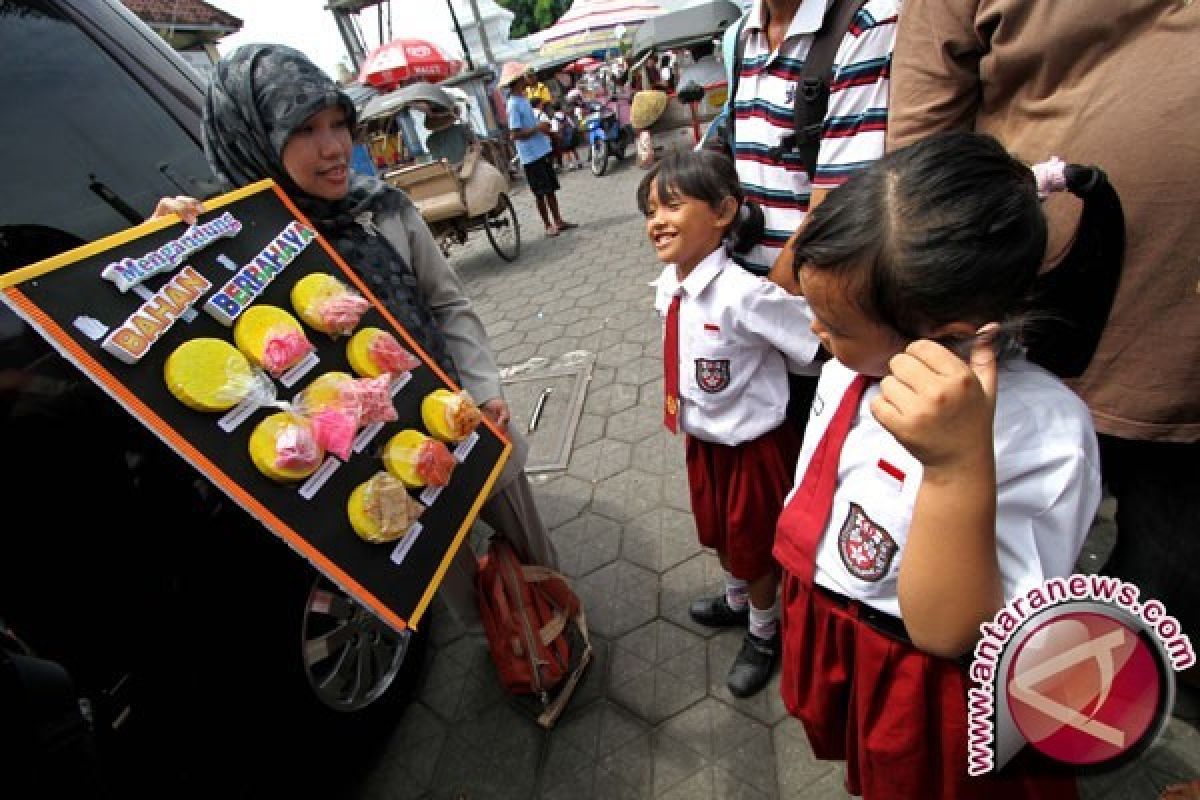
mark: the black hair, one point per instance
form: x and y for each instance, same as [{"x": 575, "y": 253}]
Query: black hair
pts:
[
  {"x": 944, "y": 230},
  {"x": 708, "y": 176}
]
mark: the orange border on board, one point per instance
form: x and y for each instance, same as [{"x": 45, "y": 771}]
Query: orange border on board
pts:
[{"x": 184, "y": 448}]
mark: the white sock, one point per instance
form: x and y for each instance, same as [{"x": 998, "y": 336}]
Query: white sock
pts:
[
  {"x": 737, "y": 592},
  {"x": 764, "y": 622}
]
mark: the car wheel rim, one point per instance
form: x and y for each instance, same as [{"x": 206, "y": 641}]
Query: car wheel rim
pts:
[
  {"x": 504, "y": 230},
  {"x": 350, "y": 656}
]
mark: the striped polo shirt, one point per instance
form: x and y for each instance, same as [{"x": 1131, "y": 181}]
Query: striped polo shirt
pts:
[{"x": 855, "y": 122}]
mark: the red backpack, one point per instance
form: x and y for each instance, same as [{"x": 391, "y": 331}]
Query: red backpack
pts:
[{"x": 528, "y": 612}]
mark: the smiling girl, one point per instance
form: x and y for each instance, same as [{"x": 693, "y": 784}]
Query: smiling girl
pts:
[{"x": 726, "y": 337}]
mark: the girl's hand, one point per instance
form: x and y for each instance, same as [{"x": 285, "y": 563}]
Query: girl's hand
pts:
[
  {"x": 939, "y": 407},
  {"x": 184, "y": 207},
  {"x": 497, "y": 411}
]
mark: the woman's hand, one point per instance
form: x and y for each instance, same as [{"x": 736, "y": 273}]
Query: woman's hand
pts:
[
  {"x": 497, "y": 411},
  {"x": 939, "y": 407},
  {"x": 184, "y": 207}
]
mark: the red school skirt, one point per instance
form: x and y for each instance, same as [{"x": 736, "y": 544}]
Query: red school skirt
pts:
[
  {"x": 737, "y": 493},
  {"x": 895, "y": 715}
]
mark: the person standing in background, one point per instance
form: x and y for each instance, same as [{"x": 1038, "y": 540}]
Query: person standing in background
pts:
[{"x": 1093, "y": 86}]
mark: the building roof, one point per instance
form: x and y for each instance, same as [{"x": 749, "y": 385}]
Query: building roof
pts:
[{"x": 183, "y": 14}]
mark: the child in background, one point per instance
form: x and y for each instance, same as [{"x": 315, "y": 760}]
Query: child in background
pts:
[
  {"x": 564, "y": 137},
  {"x": 726, "y": 336},
  {"x": 942, "y": 474}
]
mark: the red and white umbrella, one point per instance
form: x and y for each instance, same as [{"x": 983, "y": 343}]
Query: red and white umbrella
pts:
[
  {"x": 585, "y": 64},
  {"x": 402, "y": 61}
]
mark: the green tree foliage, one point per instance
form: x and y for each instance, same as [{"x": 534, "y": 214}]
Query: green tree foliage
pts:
[{"x": 530, "y": 16}]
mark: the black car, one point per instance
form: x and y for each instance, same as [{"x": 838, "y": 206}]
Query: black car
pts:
[{"x": 154, "y": 640}]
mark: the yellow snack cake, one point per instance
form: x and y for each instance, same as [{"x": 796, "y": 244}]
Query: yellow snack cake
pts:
[
  {"x": 326, "y": 304},
  {"x": 324, "y": 392},
  {"x": 381, "y": 510},
  {"x": 271, "y": 338},
  {"x": 208, "y": 375},
  {"x": 284, "y": 448},
  {"x": 400, "y": 457},
  {"x": 448, "y": 415},
  {"x": 373, "y": 351}
]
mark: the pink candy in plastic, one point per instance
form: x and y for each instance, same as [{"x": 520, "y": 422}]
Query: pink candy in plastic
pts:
[
  {"x": 284, "y": 349},
  {"x": 296, "y": 447},
  {"x": 340, "y": 313},
  {"x": 334, "y": 430},
  {"x": 435, "y": 462},
  {"x": 389, "y": 355},
  {"x": 372, "y": 397}
]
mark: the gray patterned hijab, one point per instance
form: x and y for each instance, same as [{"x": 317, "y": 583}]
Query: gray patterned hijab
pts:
[{"x": 259, "y": 95}]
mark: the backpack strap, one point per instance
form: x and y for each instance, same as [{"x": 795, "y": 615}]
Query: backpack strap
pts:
[
  {"x": 812, "y": 89},
  {"x": 735, "y": 74}
]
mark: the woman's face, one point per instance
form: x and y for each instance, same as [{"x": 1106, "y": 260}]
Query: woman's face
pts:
[{"x": 317, "y": 156}]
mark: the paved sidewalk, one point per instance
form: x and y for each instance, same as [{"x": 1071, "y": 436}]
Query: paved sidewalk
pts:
[{"x": 653, "y": 717}]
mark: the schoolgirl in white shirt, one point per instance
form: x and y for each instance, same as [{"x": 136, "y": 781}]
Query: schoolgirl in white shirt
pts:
[
  {"x": 726, "y": 336},
  {"x": 941, "y": 474}
]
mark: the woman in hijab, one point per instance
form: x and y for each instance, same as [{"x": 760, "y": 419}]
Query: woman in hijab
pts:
[{"x": 272, "y": 113}]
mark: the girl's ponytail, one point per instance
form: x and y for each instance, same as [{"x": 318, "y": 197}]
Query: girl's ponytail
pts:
[
  {"x": 1075, "y": 297},
  {"x": 748, "y": 228}
]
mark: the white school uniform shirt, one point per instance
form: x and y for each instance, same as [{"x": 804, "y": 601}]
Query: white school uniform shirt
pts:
[
  {"x": 734, "y": 331},
  {"x": 1047, "y": 483}
]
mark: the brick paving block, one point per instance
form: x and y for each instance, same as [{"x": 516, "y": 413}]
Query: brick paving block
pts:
[
  {"x": 619, "y": 597},
  {"x": 595, "y": 299},
  {"x": 658, "y": 670},
  {"x": 496, "y": 327},
  {"x": 635, "y": 424},
  {"x": 660, "y": 539},
  {"x": 494, "y": 755},
  {"x": 700, "y": 576},
  {"x": 586, "y": 543},
  {"x": 628, "y": 495},
  {"x": 610, "y": 399},
  {"x": 517, "y": 354},
  {"x": 648, "y": 333},
  {"x": 675, "y": 491},
  {"x": 766, "y": 706},
  {"x": 651, "y": 394},
  {"x": 420, "y": 736},
  {"x": 561, "y": 346},
  {"x": 508, "y": 339},
  {"x": 606, "y": 339},
  {"x": 619, "y": 353},
  {"x": 590, "y": 428},
  {"x": 680, "y": 771},
  {"x": 602, "y": 376},
  {"x": 460, "y": 680},
  {"x": 728, "y": 740},
  {"x": 640, "y": 371},
  {"x": 659, "y": 451},
  {"x": 795, "y": 765},
  {"x": 545, "y": 333},
  {"x": 579, "y": 760},
  {"x": 586, "y": 325},
  {"x": 599, "y": 460},
  {"x": 561, "y": 499}
]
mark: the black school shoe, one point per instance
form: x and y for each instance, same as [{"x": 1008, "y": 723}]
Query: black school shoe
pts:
[
  {"x": 716, "y": 613},
  {"x": 752, "y": 668}
]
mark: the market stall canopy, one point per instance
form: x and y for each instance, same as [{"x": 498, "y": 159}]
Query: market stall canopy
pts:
[
  {"x": 592, "y": 25},
  {"x": 686, "y": 26},
  {"x": 393, "y": 102},
  {"x": 402, "y": 61},
  {"x": 585, "y": 64}
]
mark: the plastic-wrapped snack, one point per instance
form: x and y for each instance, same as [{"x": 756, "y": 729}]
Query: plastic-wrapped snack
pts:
[
  {"x": 271, "y": 338},
  {"x": 211, "y": 375},
  {"x": 334, "y": 430},
  {"x": 328, "y": 305},
  {"x": 284, "y": 447},
  {"x": 372, "y": 397},
  {"x": 373, "y": 351},
  {"x": 381, "y": 509},
  {"x": 417, "y": 460},
  {"x": 450, "y": 416}
]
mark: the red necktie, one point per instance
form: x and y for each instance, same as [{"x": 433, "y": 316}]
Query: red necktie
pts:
[
  {"x": 671, "y": 368},
  {"x": 804, "y": 519}
]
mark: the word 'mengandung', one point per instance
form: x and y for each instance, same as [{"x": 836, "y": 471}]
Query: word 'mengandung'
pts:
[
  {"x": 129, "y": 272},
  {"x": 244, "y": 287}
]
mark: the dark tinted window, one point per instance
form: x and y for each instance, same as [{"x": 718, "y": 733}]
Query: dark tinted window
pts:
[{"x": 85, "y": 146}]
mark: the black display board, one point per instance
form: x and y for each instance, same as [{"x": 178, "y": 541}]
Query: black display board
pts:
[{"x": 67, "y": 301}]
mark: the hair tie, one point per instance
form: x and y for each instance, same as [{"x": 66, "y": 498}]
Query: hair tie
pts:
[{"x": 1050, "y": 176}]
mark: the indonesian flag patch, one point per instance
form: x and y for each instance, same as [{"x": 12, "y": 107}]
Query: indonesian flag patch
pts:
[
  {"x": 866, "y": 549},
  {"x": 712, "y": 374}
]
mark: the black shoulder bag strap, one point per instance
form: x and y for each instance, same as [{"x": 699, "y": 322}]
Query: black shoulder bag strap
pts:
[{"x": 812, "y": 90}]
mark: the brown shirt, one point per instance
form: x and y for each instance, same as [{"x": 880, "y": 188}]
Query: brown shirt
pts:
[{"x": 1109, "y": 82}]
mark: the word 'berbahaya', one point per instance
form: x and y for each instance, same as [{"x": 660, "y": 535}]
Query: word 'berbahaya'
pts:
[
  {"x": 249, "y": 282},
  {"x": 129, "y": 272},
  {"x": 155, "y": 317}
]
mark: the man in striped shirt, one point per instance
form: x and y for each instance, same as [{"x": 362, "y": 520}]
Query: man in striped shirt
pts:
[{"x": 779, "y": 34}]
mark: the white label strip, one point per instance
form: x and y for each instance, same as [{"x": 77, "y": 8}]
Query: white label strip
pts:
[
  {"x": 400, "y": 382},
  {"x": 430, "y": 495},
  {"x": 318, "y": 478},
  {"x": 238, "y": 414},
  {"x": 91, "y": 327},
  {"x": 297, "y": 372},
  {"x": 406, "y": 543},
  {"x": 366, "y": 435},
  {"x": 465, "y": 447}
]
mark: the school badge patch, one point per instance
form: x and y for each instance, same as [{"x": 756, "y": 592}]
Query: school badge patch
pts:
[
  {"x": 712, "y": 374},
  {"x": 866, "y": 549}
]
